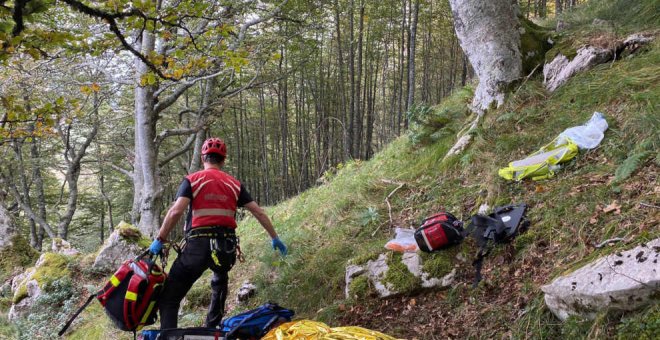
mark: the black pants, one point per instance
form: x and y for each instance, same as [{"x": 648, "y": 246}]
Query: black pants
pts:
[{"x": 193, "y": 261}]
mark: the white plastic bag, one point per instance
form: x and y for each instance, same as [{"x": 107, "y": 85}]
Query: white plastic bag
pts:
[
  {"x": 587, "y": 136},
  {"x": 403, "y": 241}
]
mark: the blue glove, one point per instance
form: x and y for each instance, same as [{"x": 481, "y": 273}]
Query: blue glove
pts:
[
  {"x": 279, "y": 245},
  {"x": 155, "y": 247}
]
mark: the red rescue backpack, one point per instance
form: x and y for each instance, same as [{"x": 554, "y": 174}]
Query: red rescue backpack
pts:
[
  {"x": 439, "y": 231},
  {"x": 130, "y": 297}
]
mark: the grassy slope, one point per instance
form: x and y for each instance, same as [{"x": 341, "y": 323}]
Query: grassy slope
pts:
[{"x": 330, "y": 225}]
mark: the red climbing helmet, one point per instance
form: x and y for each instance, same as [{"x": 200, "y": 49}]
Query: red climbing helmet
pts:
[{"x": 214, "y": 145}]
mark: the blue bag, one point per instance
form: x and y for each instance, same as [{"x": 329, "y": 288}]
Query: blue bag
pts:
[{"x": 256, "y": 322}]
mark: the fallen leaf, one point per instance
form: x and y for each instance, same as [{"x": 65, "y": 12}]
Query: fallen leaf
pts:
[
  {"x": 539, "y": 188},
  {"x": 412, "y": 302},
  {"x": 614, "y": 206}
]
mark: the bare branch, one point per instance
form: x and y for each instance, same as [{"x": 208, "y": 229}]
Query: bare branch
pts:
[
  {"x": 183, "y": 87},
  {"x": 178, "y": 152},
  {"x": 245, "y": 26},
  {"x": 26, "y": 208},
  {"x": 181, "y": 132},
  {"x": 125, "y": 172}
]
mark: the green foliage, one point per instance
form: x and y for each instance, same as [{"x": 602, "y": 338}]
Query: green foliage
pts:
[
  {"x": 533, "y": 45},
  {"x": 132, "y": 234},
  {"x": 630, "y": 165},
  {"x": 199, "y": 295},
  {"x": 51, "y": 308},
  {"x": 369, "y": 216},
  {"x": 644, "y": 325}
]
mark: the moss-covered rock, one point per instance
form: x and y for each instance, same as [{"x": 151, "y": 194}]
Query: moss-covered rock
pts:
[
  {"x": 124, "y": 243},
  {"x": 50, "y": 267},
  {"x": 398, "y": 275},
  {"x": 360, "y": 288},
  {"x": 16, "y": 257}
]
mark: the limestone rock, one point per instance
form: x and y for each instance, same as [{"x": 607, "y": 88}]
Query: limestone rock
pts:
[
  {"x": 63, "y": 247},
  {"x": 352, "y": 271},
  {"x": 620, "y": 282},
  {"x": 121, "y": 245},
  {"x": 246, "y": 291},
  {"x": 638, "y": 38},
  {"x": 376, "y": 270},
  {"x": 560, "y": 69},
  {"x": 414, "y": 263},
  {"x": 21, "y": 308},
  {"x": 27, "y": 287},
  {"x": 7, "y": 230}
]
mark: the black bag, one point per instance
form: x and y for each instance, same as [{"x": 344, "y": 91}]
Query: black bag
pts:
[
  {"x": 439, "y": 231},
  {"x": 502, "y": 226}
]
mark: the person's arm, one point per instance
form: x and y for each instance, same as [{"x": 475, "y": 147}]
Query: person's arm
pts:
[
  {"x": 261, "y": 216},
  {"x": 173, "y": 215}
]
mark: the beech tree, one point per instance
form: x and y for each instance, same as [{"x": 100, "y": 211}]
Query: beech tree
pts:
[{"x": 489, "y": 35}]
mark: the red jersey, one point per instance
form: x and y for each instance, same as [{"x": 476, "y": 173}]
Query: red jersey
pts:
[{"x": 214, "y": 198}]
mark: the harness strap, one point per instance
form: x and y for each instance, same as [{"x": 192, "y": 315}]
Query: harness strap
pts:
[{"x": 75, "y": 315}]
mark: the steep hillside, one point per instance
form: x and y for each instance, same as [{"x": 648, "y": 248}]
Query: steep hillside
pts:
[{"x": 347, "y": 218}]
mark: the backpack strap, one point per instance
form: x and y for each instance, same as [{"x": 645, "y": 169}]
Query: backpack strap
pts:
[
  {"x": 480, "y": 225},
  {"x": 130, "y": 301},
  {"x": 75, "y": 315}
]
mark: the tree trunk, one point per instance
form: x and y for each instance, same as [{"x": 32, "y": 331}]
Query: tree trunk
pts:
[
  {"x": 558, "y": 7},
  {"x": 145, "y": 134},
  {"x": 411, "y": 56},
  {"x": 488, "y": 33}
]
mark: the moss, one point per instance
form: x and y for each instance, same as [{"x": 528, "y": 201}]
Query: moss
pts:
[
  {"x": 533, "y": 45},
  {"x": 440, "y": 263},
  {"x": 19, "y": 254},
  {"x": 132, "y": 234},
  {"x": 564, "y": 46},
  {"x": 398, "y": 275},
  {"x": 53, "y": 267},
  {"x": 360, "y": 288}
]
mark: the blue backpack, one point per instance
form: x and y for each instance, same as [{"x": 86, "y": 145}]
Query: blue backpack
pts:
[{"x": 257, "y": 322}]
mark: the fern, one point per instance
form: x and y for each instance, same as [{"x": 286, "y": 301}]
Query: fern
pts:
[{"x": 630, "y": 165}]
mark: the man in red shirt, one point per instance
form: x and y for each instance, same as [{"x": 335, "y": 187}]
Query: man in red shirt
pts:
[{"x": 212, "y": 197}]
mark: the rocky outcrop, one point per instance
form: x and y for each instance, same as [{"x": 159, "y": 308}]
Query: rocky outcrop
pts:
[
  {"x": 623, "y": 281},
  {"x": 28, "y": 286},
  {"x": 560, "y": 69},
  {"x": 7, "y": 230},
  {"x": 246, "y": 291},
  {"x": 376, "y": 271},
  {"x": 124, "y": 243},
  {"x": 60, "y": 246}
]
